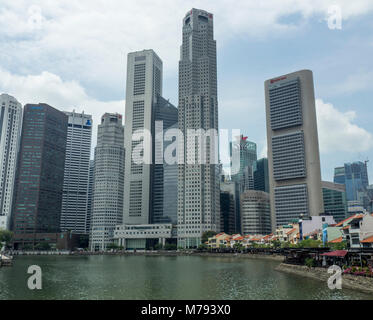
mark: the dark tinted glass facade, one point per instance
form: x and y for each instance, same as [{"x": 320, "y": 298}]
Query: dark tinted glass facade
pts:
[
  {"x": 164, "y": 176},
  {"x": 261, "y": 178},
  {"x": 39, "y": 180}
]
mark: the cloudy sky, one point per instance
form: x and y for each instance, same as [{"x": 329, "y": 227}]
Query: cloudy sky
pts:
[{"x": 72, "y": 55}]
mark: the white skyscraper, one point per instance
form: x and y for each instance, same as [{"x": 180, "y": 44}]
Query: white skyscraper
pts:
[
  {"x": 10, "y": 133},
  {"x": 144, "y": 84},
  {"x": 76, "y": 175},
  {"x": 293, "y": 148},
  {"x": 198, "y": 183},
  {"x": 108, "y": 181}
]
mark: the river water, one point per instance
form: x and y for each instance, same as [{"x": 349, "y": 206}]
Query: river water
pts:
[{"x": 161, "y": 277}]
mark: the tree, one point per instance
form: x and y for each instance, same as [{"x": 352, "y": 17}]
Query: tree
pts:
[
  {"x": 113, "y": 246},
  {"x": 309, "y": 243},
  {"x": 309, "y": 262},
  {"x": 158, "y": 246},
  {"x": 43, "y": 246},
  {"x": 238, "y": 246},
  {"x": 170, "y": 246},
  {"x": 276, "y": 243},
  {"x": 6, "y": 237},
  {"x": 207, "y": 234},
  {"x": 338, "y": 246}
]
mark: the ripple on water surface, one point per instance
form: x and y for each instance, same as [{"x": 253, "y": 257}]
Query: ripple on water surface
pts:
[{"x": 149, "y": 277}]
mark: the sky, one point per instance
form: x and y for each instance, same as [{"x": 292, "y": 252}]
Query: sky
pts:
[{"x": 72, "y": 55}]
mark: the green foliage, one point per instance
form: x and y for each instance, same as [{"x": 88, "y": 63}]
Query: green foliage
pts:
[
  {"x": 276, "y": 243},
  {"x": 27, "y": 247},
  {"x": 337, "y": 246},
  {"x": 206, "y": 235},
  {"x": 83, "y": 241},
  {"x": 6, "y": 236},
  {"x": 202, "y": 246},
  {"x": 158, "y": 246},
  {"x": 113, "y": 246},
  {"x": 309, "y": 243},
  {"x": 170, "y": 246},
  {"x": 238, "y": 246},
  {"x": 43, "y": 246},
  {"x": 309, "y": 262},
  {"x": 286, "y": 244}
]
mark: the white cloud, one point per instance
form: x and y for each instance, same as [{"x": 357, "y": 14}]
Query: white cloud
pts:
[
  {"x": 338, "y": 132},
  {"x": 62, "y": 95},
  {"x": 88, "y": 40},
  {"x": 353, "y": 83}
]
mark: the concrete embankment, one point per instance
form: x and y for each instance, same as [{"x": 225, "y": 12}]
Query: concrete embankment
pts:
[
  {"x": 272, "y": 257},
  {"x": 360, "y": 283}
]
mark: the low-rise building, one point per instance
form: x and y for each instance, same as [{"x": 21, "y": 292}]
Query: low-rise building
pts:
[
  {"x": 219, "y": 240},
  {"x": 144, "y": 236},
  {"x": 357, "y": 230}
]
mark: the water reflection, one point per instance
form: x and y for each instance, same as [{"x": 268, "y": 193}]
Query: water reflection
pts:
[{"x": 147, "y": 277}]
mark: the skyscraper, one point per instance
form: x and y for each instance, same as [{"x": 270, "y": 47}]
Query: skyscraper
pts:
[
  {"x": 340, "y": 175},
  {"x": 75, "y": 186},
  {"x": 261, "y": 177},
  {"x": 334, "y": 196},
  {"x": 198, "y": 182},
  {"x": 39, "y": 182},
  {"x": 90, "y": 195},
  {"x": 144, "y": 85},
  {"x": 10, "y": 135},
  {"x": 255, "y": 213},
  {"x": 164, "y": 176},
  {"x": 248, "y": 155},
  {"x": 293, "y": 147},
  {"x": 228, "y": 207},
  {"x": 356, "y": 179},
  {"x": 108, "y": 186}
]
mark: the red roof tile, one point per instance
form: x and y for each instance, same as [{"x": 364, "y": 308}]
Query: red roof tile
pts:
[
  {"x": 336, "y": 240},
  {"x": 368, "y": 240}
]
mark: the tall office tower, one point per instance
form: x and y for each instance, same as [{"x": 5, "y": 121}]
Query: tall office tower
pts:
[
  {"x": 340, "y": 175},
  {"x": 335, "y": 203},
  {"x": 261, "y": 177},
  {"x": 40, "y": 174},
  {"x": 144, "y": 85},
  {"x": 108, "y": 181},
  {"x": 248, "y": 155},
  {"x": 75, "y": 185},
  {"x": 91, "y": 176},
  {"x": 255, "y": 213},
  {"x": 293, "y": 148},
  {"x": 10, "y": 135},
  {"x": 198, "y": 183},
  {"x": 163, "y": 187},
  {"x": 228, "y": 207},
  {"x": 356, "y": 179}
]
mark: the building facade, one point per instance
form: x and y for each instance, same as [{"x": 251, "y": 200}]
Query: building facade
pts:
[
  {"x": 248, "y": 155},
  {"x": 144, "y": 84},
  {"x": 261, "y": 177},
  {"x": 164, "y": 175},
  {"x": 255, "y": 213},
  {"x": 293, "y": 147},
  {"x": 40, "y": 174},
  {"x": 91, "y": 179},
  {"x": 10, "y": 137},
  {"x": 334, "y": 197},
  {"x": 108, "y": 186},
  {"x": 228, "y": 207},
  {"x": 198, "y": 180},
  {"x": 76, "y": 176}
]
